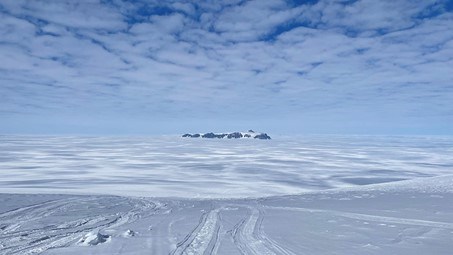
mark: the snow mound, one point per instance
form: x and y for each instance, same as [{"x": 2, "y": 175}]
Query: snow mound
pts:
[
  {"x": 91, "y": 239},
  {"x": 128, "y": 233}
]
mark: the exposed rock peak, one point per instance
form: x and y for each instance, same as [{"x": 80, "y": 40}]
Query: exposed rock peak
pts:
[{"x": 233, "y": 135}]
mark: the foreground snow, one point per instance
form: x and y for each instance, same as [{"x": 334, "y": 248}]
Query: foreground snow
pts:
[{"x": 407, "y": 217}]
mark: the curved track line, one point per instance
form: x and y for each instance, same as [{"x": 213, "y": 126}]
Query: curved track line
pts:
[
  {"x": 21, "y": 209},
  {"x": 19, "y": 239},
  {"x": 270, "y": 242},
  {"x": 369, "y": 217},
  {"x": 250, "y": 239},
  {"x": 203, "y": 239}
]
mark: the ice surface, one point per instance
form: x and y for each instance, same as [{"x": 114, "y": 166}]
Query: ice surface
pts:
[
  {"x": 361, "y": 195},
  {"x": 205, "y": 168}
]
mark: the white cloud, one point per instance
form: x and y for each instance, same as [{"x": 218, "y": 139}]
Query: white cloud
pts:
[{"x": 215, "y": 58}]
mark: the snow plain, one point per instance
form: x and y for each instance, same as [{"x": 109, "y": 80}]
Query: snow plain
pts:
[{"x": 168, "y": 195}]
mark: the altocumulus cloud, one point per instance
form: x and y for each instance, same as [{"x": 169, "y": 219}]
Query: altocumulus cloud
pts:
[{"x": 291, "y": 66}]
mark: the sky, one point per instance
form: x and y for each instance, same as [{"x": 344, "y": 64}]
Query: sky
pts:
[{"x": 282, "y": 67}]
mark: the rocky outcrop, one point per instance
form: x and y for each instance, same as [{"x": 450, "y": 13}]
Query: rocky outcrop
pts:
[
  {"x": 209, "y": 135},
  {"x": 212, "y": 135},
  {"x": 262, "y": 136},
  {"x": 234, "y": 135}
]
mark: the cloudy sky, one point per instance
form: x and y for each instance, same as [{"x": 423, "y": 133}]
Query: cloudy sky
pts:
[{"x": 162, "y": 67}]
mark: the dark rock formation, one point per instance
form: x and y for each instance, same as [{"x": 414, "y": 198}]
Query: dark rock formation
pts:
[
  {"x": 212, "y": 135},
  {"x": 234, "y": 135},
  {"x": 209, "y": 135},
  {"x": 263, "y": 136}
]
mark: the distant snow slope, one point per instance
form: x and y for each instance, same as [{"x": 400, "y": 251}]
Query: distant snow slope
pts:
[
  {"x": 409, "y": 217},
  {"x": 306, "y": 195},
  {"x": 213, "y": 168}
]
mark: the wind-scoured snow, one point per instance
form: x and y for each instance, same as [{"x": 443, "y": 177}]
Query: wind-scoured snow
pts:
[
  {"x": 177, "y": 167},
  {"x": 366, "y": 207}
]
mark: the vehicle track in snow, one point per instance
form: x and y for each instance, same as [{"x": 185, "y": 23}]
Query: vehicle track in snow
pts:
[
  {"x": 14, "y": 219},
  {"x": 250, "y": 238},
  {"x": 369, "y": 217},
  {"x": 24, "y": 208},
  {"x": 204, "y": 238},
  {"x": 248, "y": 235},
  {"x": 19, "y": 234}
]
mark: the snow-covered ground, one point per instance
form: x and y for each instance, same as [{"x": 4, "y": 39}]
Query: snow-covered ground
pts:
[
  {"x": 339, "y": 208},
  {"x": 180, "y": 167}
]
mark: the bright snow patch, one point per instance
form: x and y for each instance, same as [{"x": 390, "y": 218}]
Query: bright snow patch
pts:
[
  {"x": 94, "y": 239},
  {"x": 128, "y": 233}
]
